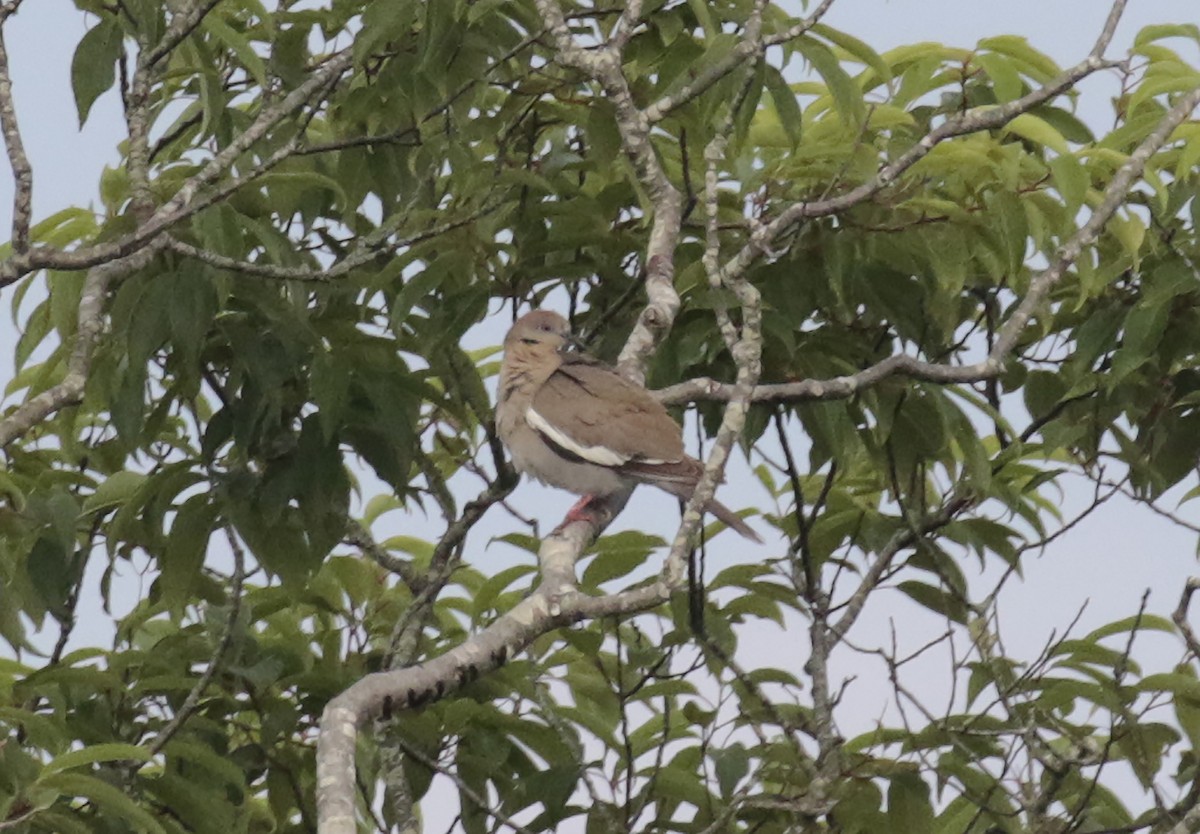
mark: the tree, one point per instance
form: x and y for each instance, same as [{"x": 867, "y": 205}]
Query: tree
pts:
[{"x": 912, "y": 288}]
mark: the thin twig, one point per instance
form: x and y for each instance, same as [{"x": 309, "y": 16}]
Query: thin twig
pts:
[{"x": 192, "y": 702}]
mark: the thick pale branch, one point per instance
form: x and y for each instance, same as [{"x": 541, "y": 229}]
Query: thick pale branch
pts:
[
  {"x": 554, "y": 603},
  {"x": 745, "y": 345},
  {"x": 18, "y": 160},
  {"x": 1188, "y": 823},
  {"x": 137, "y": 127},
  {"x": 9, "y": 8},
  {"x": 714, "y": 155},
  {"x": 604, "y": 67},
  {"x": 1109, "y": 29}
]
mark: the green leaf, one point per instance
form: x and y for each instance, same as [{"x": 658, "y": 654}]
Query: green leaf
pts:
[
  {"x": 1029, "y": 126},
  {"x": 486, "y": 596},
  {"x": 1037, "y": 64},
  {"x": 619, "y": 554},
  {"x": 731, "y": 764},
  {"x": 704, "y": 17},
  {"x": 186, "y": 547},
  {"x": 50, "y": 573},
  {"x": 935, "y": 599},
  {"x": 909, "y": 808},
  {"x": 107, "y": 797},
  {"x": 847, "y": 97},
  {"x": 1160, "y": 31},
  {"x": 96, "y": 753},
  {"x": 37, "y": 327},
  {"x": 1006, "y": 79},
  {"x": 114, "y": 491},
  {"x": 1141, "y": 622},
  {"x": 856, "y": 48},
  {"x": 786, "y": 106},
  {"x": 1071, "y": 179},
  {"x": 93, "y": 68},
  {"x": 239, "y": 45}
]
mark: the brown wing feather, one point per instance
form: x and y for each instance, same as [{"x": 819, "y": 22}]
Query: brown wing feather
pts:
[{"x": 594, "y": 406}]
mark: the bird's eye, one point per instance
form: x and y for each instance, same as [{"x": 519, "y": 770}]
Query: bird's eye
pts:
[{"x": 529, "y": 341}]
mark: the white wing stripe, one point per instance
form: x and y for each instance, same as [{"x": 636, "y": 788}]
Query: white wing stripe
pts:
[{"x": 599, "y": 455}]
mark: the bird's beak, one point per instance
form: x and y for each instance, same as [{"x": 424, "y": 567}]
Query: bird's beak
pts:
[{"x": 571, "y": 343}]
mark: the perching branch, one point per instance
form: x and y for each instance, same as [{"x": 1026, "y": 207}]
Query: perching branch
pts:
[{"x": 554, "y": 603}]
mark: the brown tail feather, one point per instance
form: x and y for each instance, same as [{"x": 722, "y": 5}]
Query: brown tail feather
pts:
[
  {"x": 679, "y": 478},
  {"x": 732, "y": 520}
]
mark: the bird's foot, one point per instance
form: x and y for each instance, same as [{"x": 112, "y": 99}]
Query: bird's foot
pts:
[{"x": 582, "y": 511}]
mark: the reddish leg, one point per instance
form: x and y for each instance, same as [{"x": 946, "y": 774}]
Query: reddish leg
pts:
[{"x": 580, "y": 512}]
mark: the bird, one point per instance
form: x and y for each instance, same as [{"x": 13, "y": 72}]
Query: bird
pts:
[{"x": 572, "y": 422}]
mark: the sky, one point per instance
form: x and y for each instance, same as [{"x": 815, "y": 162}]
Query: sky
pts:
[{"x": 1104, "y": 564}]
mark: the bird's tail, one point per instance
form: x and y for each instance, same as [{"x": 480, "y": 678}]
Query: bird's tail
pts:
[{"x": 732, "y": 520}]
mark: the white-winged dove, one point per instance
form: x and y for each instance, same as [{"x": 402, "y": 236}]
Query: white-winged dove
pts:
[{"x": 573, "y": 423}]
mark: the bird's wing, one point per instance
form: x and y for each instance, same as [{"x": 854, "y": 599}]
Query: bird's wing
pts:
[{"x": 589, "y": 411}]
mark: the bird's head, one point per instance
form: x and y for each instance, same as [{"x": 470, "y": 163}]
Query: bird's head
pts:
[{"x": 539, "y": 335}]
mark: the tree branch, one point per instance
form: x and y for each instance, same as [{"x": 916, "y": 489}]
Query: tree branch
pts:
[
  {"x": 17, "y": 159},
  {"x": 604, "y": 67},
  {"x": 89, "y": 328},
  {"x": 960, "y": 125},
  {"x": 554, "y": 603},
  {"x": 182, "y": 24},
  {"x": 183, "y": 204},
  {"x": 192, "y": 701},
  {"x": 705, "y": 389},
  {"x": 368, "y": 248},
  {"x": 741, "y": 52}
]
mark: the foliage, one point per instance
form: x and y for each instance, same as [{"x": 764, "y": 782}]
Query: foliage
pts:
[{"x": 286, "y": 367}]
